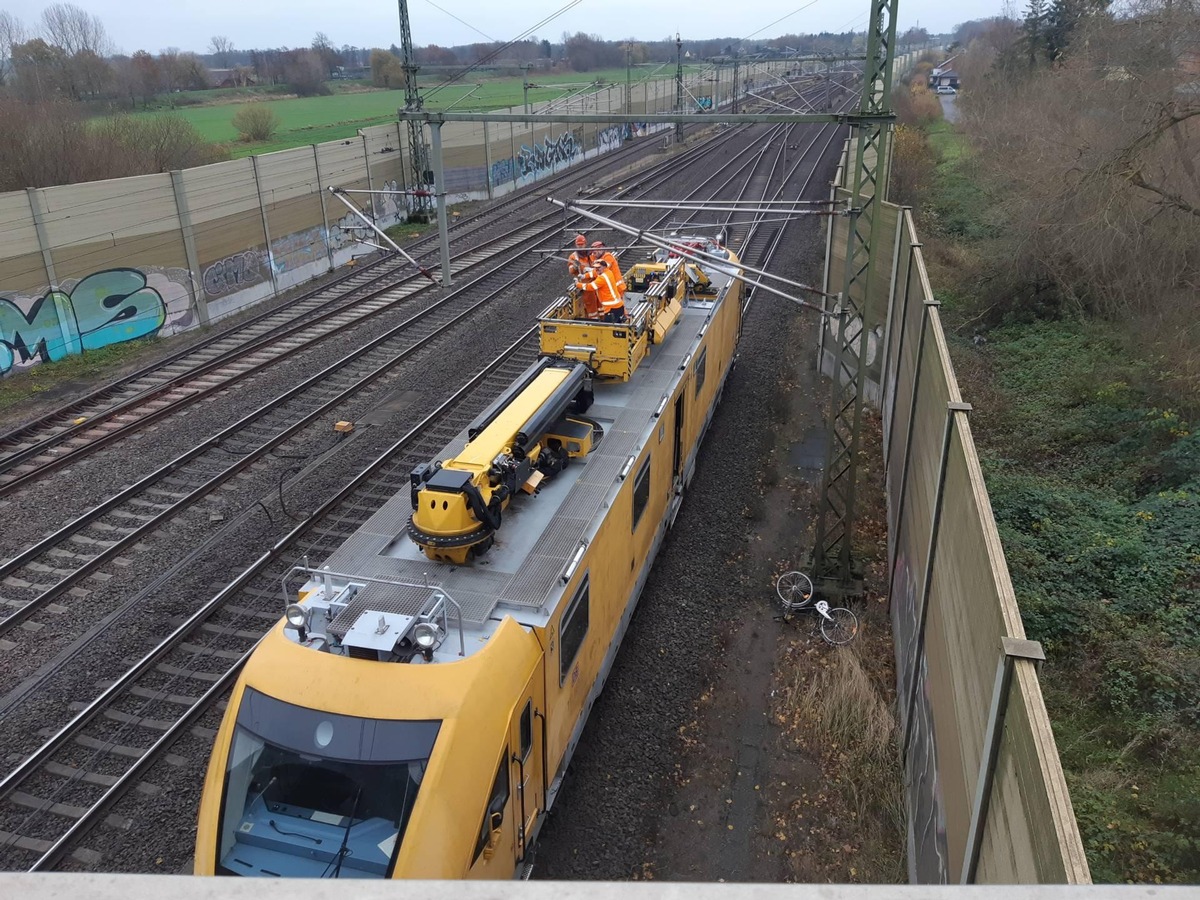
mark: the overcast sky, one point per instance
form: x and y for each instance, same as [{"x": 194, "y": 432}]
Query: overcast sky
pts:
[{"x": 146, "y": 25}]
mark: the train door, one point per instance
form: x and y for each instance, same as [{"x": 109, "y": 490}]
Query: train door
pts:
[
  {"x": 527, "y": 734},
  {"x": 496, "y": 839}
]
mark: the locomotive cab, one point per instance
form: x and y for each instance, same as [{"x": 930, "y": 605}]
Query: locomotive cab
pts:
[{"x": 416, "y": 762}]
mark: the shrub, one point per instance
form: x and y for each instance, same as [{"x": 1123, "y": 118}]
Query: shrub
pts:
[
  {"x": 255, "y": 122},
  {"x": 50, "y": 143}
]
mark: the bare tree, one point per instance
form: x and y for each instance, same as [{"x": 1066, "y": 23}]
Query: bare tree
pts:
[
  {"x": 1095, "y": 163},
  {"x": 323, "y": 47},
  {"x": 75, "y": 30},
  {"x": 220, "y": 47},
  {"x": 12, "y": 33},
  {"x": 169, "y": 68}
]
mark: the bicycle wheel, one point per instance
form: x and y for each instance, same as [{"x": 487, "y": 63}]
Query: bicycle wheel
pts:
[
  {"x": 839, "y": 626},
  {"x": 795, "y": 589}
]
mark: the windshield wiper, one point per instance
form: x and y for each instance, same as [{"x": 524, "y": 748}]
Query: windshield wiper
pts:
[{"x": 344, "y": 850}]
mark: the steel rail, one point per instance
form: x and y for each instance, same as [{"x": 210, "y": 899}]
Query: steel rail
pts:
[
  {"x": 18, "y": 616},
  {"x": 526, "y": 197}
]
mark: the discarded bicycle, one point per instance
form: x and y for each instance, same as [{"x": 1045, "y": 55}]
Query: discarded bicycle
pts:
[{"x": 838, "y": 624}]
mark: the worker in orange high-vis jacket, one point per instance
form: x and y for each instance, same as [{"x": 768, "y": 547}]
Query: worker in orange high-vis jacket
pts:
[
  {"x": 611, "y": 303},
  {"x": 581, "y": 258},
  {"x": 589, "y": 291},
  {"x": 603, "y": 259}
]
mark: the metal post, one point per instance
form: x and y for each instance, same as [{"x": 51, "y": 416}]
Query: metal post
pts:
[
  {"x": 487, "y": 159},
  {"x": 525, "y": 85},
  {"x": 822, "y": 326},
  {"x": 737, "y": 82},
  {"x": 678, "y": 86},
  {"x": 1011, "y": 650},
  {"x": 39, "y": 226},
  {"x": 370, "y": 184},
  {"x": 321, "y": 194},
  {"x": 829, "y": 241},
  {"x": 262, "y": 208},
  {"x": 930, "y": 558},
  {"x": 403, "y": 176},
  {"x": 512, "y": 144},
  {"x": 628, "y": 80},
  {"x": 189, "y": 245},
  {"x": 439, "y": 191}
]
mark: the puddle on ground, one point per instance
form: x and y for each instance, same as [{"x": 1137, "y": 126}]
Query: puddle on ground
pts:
[{"x": 808, "y": 455}]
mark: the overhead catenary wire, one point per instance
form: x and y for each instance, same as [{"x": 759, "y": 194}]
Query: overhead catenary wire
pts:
[
  {"x": 488, "y": 57},
  {"x": 699, "y": 256}
]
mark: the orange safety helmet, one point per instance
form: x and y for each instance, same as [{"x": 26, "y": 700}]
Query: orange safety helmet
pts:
[
  {"x": 580, "y": 240},
  {"x": 597, "y": 245}
]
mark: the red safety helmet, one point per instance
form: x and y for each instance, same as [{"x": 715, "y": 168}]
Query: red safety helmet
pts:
[
  {"x": 580, "y": 240},
  {"x": 597, "y": 245}
]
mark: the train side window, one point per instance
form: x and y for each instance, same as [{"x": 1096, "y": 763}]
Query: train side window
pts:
[
  {"x": 574, "y": 628},
  {"x": 526, "y": 730},
  {"x": 641, "y": 492},
  {"x": 701, "y": 370},
  {"x": 496, "y": 804}
]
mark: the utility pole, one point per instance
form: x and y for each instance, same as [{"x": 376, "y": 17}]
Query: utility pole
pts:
[
  {"x": 678, "y": 87},
  {"x": 737, "y": 81},
  {"x": 628, "y": 79},
  {"x": 525, "y": 78},
  {"x": 832, "y": 567},
  {"x": 416, "y": 131}
]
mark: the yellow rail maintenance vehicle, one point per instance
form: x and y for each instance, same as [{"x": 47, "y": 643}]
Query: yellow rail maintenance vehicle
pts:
[{"x": 414, "y": 713}]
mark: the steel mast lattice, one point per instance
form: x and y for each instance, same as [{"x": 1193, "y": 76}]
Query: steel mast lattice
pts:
[
  {"x": 835, "y": 520},
  {"x": 417, "y": 157}
]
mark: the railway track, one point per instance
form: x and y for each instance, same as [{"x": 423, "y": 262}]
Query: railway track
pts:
[
  {"x": 116, "y": 410},
  {"x": 195, "y": 665},
  {"x": 61, "y": 791},
  {"x": 38, "y": 578},
  {"x": 71, "y": 433}
]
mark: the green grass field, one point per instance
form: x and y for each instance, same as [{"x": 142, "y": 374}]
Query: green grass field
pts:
[{"x": 311, "y": 120}]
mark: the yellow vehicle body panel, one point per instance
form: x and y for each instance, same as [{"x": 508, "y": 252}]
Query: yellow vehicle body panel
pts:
[
  {"x": 473, "y": 699},
  {"x": 612, "y": 350}
]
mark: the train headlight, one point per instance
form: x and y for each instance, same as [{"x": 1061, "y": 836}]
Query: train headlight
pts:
[
  {"x": 427, "y": 636},
  {"x": 295, "y": 615}
]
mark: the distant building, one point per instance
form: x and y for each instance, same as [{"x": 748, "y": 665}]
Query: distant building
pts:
[
  {"x": 942, "y": 75},
  {"x": 238, "y": 76}
]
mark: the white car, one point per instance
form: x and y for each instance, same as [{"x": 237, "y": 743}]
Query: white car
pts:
[{"x": 944, "y": 89}]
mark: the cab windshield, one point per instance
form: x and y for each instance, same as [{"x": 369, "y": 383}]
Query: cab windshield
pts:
[{"x": 317, "y": 795}]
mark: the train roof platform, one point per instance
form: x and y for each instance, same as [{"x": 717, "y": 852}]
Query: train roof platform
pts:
[{"x": 522, "y": 573}]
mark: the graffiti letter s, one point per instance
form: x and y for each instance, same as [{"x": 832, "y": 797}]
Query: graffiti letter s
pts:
[{"x": 115, "y": 306}]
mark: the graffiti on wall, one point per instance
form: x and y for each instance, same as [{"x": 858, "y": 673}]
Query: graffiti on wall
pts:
[
  {"x": 532, "y": 162},
  {"x": 233, "y": 273},
  {"x": 104, "y": 308},
  {"x": 504, "y": 170},
  {"x": 612, "y": 137},
  {"x": 297, "y": 249},
  {"x": 389, "y": 206},
  {"x": 549, "y": 154}
]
